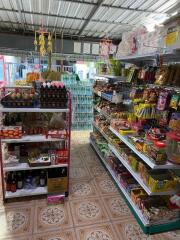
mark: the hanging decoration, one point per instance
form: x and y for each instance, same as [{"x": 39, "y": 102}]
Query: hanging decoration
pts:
[
  {"x": 105, "y": 47},
  {"x": 35, "y": 42},
  {"x": 42, "y": 49},
  {"x": 49, "y": 48},
  {"x": 41, "y": 44}
]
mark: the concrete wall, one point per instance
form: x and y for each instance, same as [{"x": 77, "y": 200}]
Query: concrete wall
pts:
[{"x": 19, "y": 42}]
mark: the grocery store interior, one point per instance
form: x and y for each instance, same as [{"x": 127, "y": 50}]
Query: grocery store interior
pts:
[{"x": 89, "y": 120}]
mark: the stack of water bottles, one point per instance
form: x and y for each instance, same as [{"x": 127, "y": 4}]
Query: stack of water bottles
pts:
[{"x": 82, "y": 102}]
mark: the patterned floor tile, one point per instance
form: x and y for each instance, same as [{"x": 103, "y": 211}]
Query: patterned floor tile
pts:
[
  {"x": 117, "y": 208},
  {"x": 97, "y": 171},
  {"x": 18, "y": 238},
  {"x": 96, "y": 232},
  {"x": 76, "y": 161},
  {"x": 130, "y": 230},
  {"x": 106, "y": 186},
  {"x": 57, "y": 235},
  {"x": 174, "y": 235},
  {"x": 16, "y": 221},
  {"x": 55, "y": 217},
  {"x": 79, "y": 172},
  {"x": 88, "y": 211},
  {"x": 82, "y": 189},
  {"x": 15, "y": 203}
]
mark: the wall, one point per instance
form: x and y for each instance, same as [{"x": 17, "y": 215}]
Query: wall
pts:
[{"x": 20, "y": 42}]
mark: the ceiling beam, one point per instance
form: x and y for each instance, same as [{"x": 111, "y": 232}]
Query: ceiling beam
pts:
[
  {"x": 59, "y": 29},
  {"x": 91, "y": 15},
  {"x": 112, "y": 7},
  {"x": 67, "y": 17},
  {"x": 20, "y": 14}
]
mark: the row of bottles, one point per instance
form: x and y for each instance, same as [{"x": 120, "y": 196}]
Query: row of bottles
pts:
[{"x": 25, "y": 179}]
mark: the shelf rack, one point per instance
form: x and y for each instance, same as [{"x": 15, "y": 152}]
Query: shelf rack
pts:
[
  {"x": 136, "y": 175},
  {"x": 26, "y": 167},
  {"x": 146, "y": 159},
  {"x": 34, "y": 138},
  {"x": 128, "y": 167},
  {"x": 31, "y": 138},
  {"x": 160, "y": 226},
  {"x": 106, "y": 76},
  {"x": 99, "y": 129},
  {"x": 35, "y": 109},
  {"x": 26, "y": 193},
  {"x": 144, "y": 223},
  {"x": 172, "y": 56}
]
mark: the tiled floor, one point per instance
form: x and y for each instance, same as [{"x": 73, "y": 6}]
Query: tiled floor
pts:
[{"x": 95, "y": 210}]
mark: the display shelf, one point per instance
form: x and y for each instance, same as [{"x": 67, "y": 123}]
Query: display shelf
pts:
[
  {"x": 99, "y": 130},
  {"x": 102, "y": 113},
  {"x": 35, "y": 109},
  {"x": 26, "y": 167},
  {"x": 138, "y": 212},
  {"x": 39, "y": 139},
  {"x": 26, "y": 192},
  {"x": 118, "y": 78},
  {"x": 113, "y": 99},
  {"x": 160, "y": 226},
  {"x": 32, "y": 138},
  {"x": 15, "y": 86},
  {"x": 136, "y": 175},
  {"x": 146, "y": 159},
  {"x": 173, "y": 55}
]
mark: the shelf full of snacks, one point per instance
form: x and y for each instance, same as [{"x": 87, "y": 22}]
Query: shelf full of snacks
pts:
[
  {"x": 150, "y": 223},
  {"x": 145, "y": 159},
  {"x": 35, "y": 137},
  {"x": 130, "y": 168},
  {"x": 149, "y": 161}
]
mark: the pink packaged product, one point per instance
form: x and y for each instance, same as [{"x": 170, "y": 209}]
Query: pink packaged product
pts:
[
  {"x": 163, "y": 100},
  {"x": 55, "y": 199}
]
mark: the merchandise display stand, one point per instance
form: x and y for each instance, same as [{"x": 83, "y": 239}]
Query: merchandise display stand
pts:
[
  {"x": 82, "y": 102},
  {"x": 104, "y": 140},
  {"x": 58, "y": 156}
]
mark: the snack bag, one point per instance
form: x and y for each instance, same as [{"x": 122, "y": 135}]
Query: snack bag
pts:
[
  {"x": 174, "y": 101},
  {"x": 163, "y": 100}
]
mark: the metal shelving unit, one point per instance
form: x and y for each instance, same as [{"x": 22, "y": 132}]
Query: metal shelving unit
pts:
[
  {"x": 172, "y": 56},
  {"x": 147, "y": 227},
  {"x": 145, "y": 158},
  {"x": 26, "y": 167},
  {"x": 26, "y": 193},
  {"x": 31, "y": 139},
  {"x": 136, "y": 175}
]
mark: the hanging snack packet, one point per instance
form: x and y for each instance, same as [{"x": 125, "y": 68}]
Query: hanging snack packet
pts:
[
  {"x": 163, "y": 100},
  {"x": 174, "y": 101}
]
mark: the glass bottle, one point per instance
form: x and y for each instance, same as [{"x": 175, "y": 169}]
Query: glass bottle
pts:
[
  {"x": 19, "y": 180},
  {"x": 13, "y": 183},
  {"x": 42, "y": 179}
]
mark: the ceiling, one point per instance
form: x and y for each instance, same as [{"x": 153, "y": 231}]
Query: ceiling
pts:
[{"x": 88, "y": 18}]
